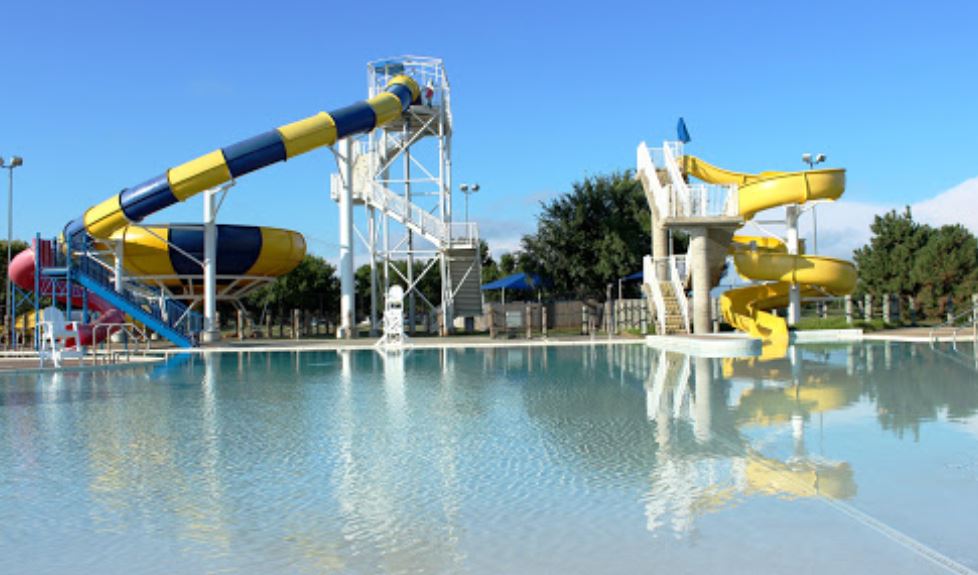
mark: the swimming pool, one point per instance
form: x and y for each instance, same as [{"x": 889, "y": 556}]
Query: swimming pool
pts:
[{"x": 591, "y": 459}]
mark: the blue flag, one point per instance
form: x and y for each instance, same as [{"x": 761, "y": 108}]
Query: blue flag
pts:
[{"x": 681, "y": 132}]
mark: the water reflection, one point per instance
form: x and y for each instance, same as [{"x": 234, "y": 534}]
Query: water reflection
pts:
[{"x": 443, "y": 460}]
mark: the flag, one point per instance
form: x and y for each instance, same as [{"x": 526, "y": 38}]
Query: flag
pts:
[{"x": 681, "y": 132}]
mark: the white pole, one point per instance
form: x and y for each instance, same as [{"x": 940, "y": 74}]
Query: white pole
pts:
[
  {"x": 347, "y": 284},
  {"x": 794, "y": 295},
  {"x": 211, "y": 332},
  {"x": 410, "y": 241},
  {"x": 11, "y": 313},
  {"x": 372, "y": 232}
]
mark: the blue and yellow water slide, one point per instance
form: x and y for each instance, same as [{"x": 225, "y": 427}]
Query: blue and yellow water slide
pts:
[
  {"x": 161, "y": 250},
  {"x": 244, "y": 250}
]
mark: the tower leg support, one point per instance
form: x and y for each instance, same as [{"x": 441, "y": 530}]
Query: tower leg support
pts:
[
  {"x": 700, "y": 268},
  {"x": 347, "y": 283},
  {"x": 211, "y": 331}
]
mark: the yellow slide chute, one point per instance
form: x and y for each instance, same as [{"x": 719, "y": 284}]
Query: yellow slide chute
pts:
[{"x": 766, "y": 259}]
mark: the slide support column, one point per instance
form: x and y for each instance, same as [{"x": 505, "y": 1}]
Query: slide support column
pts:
[
  {"x": 347, "y": 286},
  {"x": 119, "y": 281},
  {"x": 794, "y": 294},
  {"x": 211, "y": 331},
  {"x": 700, "y": 268},
  {"x": 660, "y": 249},
  {"x": 372, "y": 235}
]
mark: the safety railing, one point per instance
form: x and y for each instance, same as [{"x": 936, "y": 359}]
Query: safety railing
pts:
[
  {"x": 647, "y": 160},
  {"x": 103, "y": 350},
  {"x": 418, "y": 219},
  {"x": 654, "y": 288},
  {"x": 710, "y": 200},
  {"x": 679, "y": 273},
  {"x": 679, "y": 199},
  {"x": 171, "y": 312},
  {"x": 464, "y": 233},
  {"x": 954, "y": 325}
]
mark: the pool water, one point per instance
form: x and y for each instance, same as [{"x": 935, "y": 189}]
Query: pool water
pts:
[{"x": 590, "y": 459}]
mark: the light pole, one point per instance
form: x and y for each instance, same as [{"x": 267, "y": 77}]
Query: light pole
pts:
[
  {"x": 15, "y": 161},
  {"x": 813, "y": 160},
  {"x": 468, "y": 189}
]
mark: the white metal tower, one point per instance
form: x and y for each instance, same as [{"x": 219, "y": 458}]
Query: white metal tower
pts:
[{"x": 402, "y": 172}]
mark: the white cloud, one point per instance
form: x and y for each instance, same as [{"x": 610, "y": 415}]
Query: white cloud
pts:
[
  {"x": 504, "y": 235},
  {"x": 955, "y": 206},
  {"x": 843, "y": 226}
]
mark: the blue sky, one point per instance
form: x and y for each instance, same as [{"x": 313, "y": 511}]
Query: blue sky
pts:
[{"x": 98, "y": 97}]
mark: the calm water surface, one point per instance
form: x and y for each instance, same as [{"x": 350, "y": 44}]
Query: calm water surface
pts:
[{"x": 849, "y": 459}]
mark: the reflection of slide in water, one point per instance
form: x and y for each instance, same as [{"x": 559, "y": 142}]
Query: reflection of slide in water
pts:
[
  {"x": 766, "y": 259},
  {"x": 694, "y": 478}
]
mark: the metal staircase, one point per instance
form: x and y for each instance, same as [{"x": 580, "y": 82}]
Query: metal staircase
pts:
[
  {"x": 149, "y": 306},
  {"x": 465, "y": 270},
  {"x": 457, "y": 242},
  {"x": 665, "y": 289}
]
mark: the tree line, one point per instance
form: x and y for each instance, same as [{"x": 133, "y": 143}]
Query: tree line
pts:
[{"x": 936, "y": 266}]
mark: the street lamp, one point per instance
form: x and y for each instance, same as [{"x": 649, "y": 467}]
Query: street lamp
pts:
[
  {"x": 15, "y": 161},
  {"x": 468, "y": 189},
  {"x": 813, "y": 160}
]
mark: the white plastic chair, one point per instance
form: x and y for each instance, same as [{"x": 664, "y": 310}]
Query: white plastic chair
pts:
[{"x": 54, "y": 334}]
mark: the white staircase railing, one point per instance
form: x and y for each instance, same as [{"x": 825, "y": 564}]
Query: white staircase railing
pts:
[
  {"x": 676, "y": 274},
  {"x": 679, "y": 272},
  {"x": 419, "y": 220},
  {"x": 679, "y": 199},
  {"x": 651, "y": 279},
  {"x": 658, "y": 196}
]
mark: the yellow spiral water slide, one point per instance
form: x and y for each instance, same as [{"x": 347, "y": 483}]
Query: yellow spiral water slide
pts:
[{"x": 766, "y": 259}]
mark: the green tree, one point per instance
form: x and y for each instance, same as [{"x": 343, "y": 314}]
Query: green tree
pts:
[
  {"x": 311, "y": 286},
  {"x": 16, "y": 247},
  {"x": 947, "y": 266},
  {"x": 429, "y": 286},
  {"x": 886, "y": 263},
  {"x": 589, "y": 237}
]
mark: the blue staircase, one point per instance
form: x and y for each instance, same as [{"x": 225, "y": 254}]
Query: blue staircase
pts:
[{"x": 172, "y": 321}]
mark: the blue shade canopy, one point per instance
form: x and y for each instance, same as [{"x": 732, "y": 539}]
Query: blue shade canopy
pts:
[
  {"x": 635, "y": 277},
  {"x": 516, "y": 281}
]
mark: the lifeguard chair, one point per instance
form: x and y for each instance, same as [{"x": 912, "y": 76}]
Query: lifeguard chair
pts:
[{"x": 393, "y": 319}]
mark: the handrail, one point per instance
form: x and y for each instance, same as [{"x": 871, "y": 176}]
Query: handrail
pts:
[
  {"x": 679, "y": 289},
  {"x": 973, "y": 312},
  {"x": 659, "y": 193},
  {"x": 676, "y": 177},
  {"x": 652, "y": 280},
  {"x": 130, "y": 329}
]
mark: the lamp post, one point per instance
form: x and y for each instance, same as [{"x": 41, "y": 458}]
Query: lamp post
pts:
[
  {"x": 15, "y": 161},
  {"x": 813, "y": 160},
  {"x": 468, "y": 189}
]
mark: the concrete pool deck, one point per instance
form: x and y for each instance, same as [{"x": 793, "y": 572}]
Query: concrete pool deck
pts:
[{"x": 725, "y": 344}]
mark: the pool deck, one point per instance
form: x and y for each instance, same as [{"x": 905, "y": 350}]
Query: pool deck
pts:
[
  {"x": 923, "y": 335},
  {"x": 26, "y": 362},
  {"x": 20, "y": 362}
]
